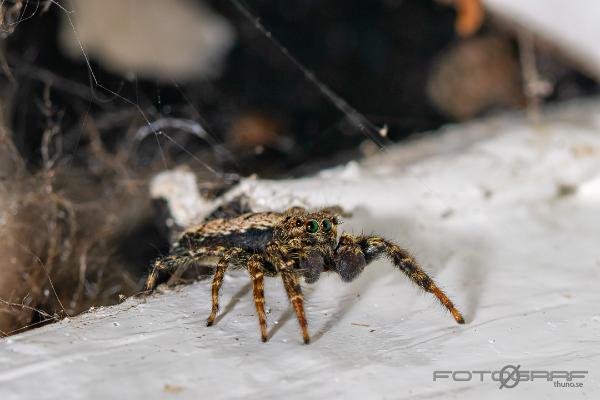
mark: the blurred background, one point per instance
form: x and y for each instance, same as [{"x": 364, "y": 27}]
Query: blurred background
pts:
[{"x": 97, "y": 96}]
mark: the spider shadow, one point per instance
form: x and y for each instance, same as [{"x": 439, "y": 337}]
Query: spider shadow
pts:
[
  {"x": 343, "y": 307},
  {"x": 283, "y": 319},
  {"x": 286, "y": 315},
  {"x": 474, "y": 275},
  {"x": 235, "y": 299}
]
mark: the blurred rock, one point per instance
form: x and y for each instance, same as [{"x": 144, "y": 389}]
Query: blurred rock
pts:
[
  {"x": 254, "y": 129},
  {"x": 475, "y": 75},
  {"x": 174, "y": 39}
]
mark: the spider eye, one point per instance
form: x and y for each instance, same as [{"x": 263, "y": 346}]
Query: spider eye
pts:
[
  {"x": 312, "y": 226},
  {"x": 326, "y": 224},
  {"x": 298, "y": 222}
]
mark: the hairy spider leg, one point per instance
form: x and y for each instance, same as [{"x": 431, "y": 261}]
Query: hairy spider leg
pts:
[
  {"x": 354, "y": 253},
  {"x": 180, "y": 258},
  {"x": 222, "y": 265},
  {"x": 281, "y": 258},
  {"x": 291, "y": 282},
  {"x": 255, "y": 269}
]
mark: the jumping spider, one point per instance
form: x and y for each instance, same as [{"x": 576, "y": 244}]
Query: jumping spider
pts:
[{"x": 293, "y": 244}]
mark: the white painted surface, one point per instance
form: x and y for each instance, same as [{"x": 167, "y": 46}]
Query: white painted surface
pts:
[
  {"x": 573, "y": 25},
  {"x": 479, "y": 208}
]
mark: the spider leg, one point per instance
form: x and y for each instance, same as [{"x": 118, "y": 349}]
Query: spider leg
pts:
[
  {"x": 222, "y": 265},
  {"x": 255, "y": 269},
  {"x": 294, "y": 292},
  {"x": 281, "y": 258},
  {"x": 179, "y": 258},
  {"x": 354, "y": 253},
  {"x": 310, "y": 264}
]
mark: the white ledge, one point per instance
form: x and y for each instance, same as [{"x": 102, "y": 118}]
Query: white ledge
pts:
[{"x": 482, "y": 208}]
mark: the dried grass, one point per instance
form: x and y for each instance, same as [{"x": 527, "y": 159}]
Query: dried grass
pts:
[{"x": 62, "y": 231}]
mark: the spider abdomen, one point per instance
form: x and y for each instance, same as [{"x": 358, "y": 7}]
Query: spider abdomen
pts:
[
  {"x": 250, "y": 231},
  {"x": 251, "y": 239}
]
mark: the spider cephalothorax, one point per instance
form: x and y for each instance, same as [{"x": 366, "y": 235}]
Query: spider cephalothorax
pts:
[
  {"x": 300, "y": 228},
  {"x": 293, "y": 244},
  {"x": 307, "y": 239}
]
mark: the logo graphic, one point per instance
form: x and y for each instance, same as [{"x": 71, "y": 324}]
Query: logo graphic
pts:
[
  {"x": 509, "y": 376},
  {"x": 514, "y": 375}
]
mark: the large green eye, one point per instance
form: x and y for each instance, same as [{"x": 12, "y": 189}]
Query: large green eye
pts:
[
  {"x": 326, "y": 224},
  {"x": 312, "y": 226}
]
